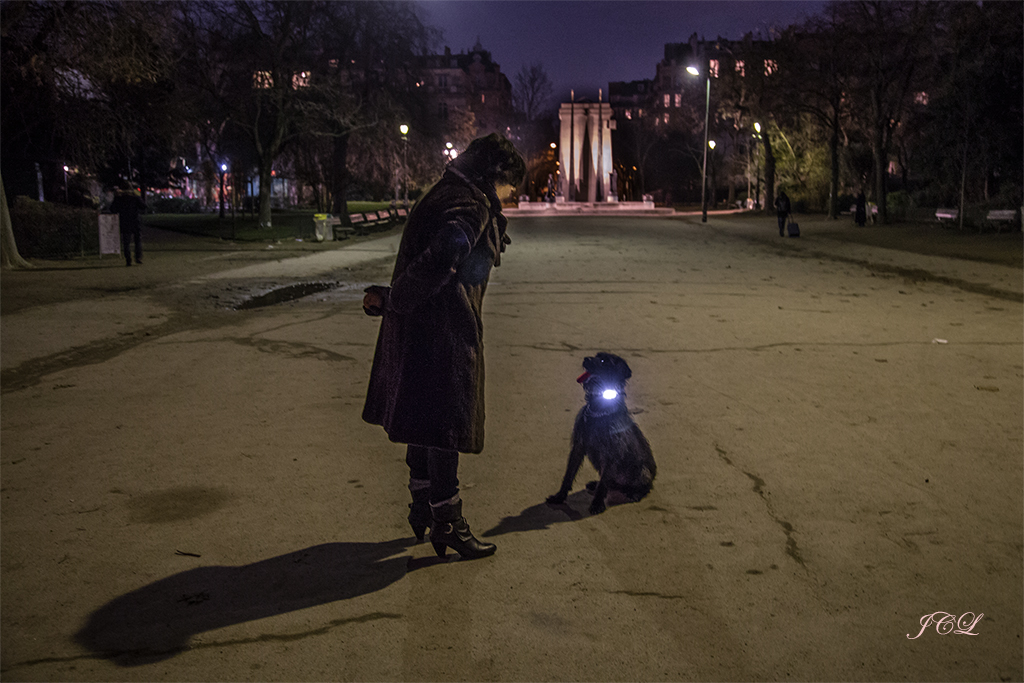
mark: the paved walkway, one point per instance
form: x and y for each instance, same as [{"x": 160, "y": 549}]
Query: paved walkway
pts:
[{"x": 189, "y": 492}]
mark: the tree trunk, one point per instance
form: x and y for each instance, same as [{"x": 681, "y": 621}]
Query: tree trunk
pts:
[
  {"x": 769, "y": 173},
  {"x": 9, "y": 256},
  {"x": 339, "y": 178},
  {"x": 877, "y": 150},
  {"x": 266, "y": 178},
  {"x": 833, "y": 186},
  {"x": 879, "y": 157}
]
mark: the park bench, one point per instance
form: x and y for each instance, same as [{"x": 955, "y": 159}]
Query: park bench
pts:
[
  {"x": 379, "y": 218},
  {"x": 947, "y": 214},
  {"x": 1002, "y": 217},
  {"x": 360, "y": 221}
]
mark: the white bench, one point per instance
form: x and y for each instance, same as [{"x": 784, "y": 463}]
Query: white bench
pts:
[
  {"x": 1001, "y": 216},
  {"x": 947, "y": 214}
]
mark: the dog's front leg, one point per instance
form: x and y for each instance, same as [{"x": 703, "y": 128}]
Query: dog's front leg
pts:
[
  {"x": 597, "y": 506},
  {"x": 576, "y": 456}
]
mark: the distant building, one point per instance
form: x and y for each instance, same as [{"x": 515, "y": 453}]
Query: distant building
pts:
[
  {"x": 630, "y": 100},
  {"x": 460, "y": 85},
  {"x": 673, "y": 83}
]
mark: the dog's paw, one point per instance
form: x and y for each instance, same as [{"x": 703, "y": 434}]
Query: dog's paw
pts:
[
  {"x": 597, "y": 507},
  {"x": 557, "y": 499}
]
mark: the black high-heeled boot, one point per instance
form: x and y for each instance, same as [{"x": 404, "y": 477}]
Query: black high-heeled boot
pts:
[
  {"x": 450, "y": 529},
  {"x": 419, "y": 513}
]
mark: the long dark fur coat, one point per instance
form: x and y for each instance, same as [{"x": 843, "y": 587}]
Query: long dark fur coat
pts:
[{"x": 427, "y": 382}]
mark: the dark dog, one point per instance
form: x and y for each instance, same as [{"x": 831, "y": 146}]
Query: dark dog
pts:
[{"x": 606, "y": 434}]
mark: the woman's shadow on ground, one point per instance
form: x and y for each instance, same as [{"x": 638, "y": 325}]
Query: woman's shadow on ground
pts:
[
  {"x": 157, "y": 621},
  {"x": 543, "y": 515}
]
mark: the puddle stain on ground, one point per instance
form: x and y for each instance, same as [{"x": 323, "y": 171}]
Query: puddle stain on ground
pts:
[
  {"x": 284, "y": 294},
  {"x": 176, "y": 504}
]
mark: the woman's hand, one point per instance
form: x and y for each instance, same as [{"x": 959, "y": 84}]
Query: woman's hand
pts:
[{"x": 375, "y": 300}]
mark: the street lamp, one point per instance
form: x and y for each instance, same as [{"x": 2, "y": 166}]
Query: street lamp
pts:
[
  {"x": 223, "y": 170},
  {"x": 757, "y": 168},
  {"x": 712, "y": 194},
  {"x": 707, "y": 110},
  {"x": 405, "y": 159}
]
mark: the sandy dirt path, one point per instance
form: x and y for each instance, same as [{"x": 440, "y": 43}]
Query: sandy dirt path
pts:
[{"x": 189, "y": 492}]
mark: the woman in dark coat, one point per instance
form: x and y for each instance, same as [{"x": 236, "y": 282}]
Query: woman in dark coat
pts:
[{"x": 427, "y": 383}]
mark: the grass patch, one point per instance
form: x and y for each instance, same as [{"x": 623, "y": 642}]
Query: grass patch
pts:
[{"x": 286, "y": 224}]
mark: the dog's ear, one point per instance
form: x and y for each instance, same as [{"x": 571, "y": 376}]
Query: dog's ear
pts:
[{"x": 626, "y": 372}]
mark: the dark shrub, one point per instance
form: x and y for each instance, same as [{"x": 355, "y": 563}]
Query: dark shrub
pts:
[
  {"x": 173, "y": 205},
  {"x": 45, "y": 230}
]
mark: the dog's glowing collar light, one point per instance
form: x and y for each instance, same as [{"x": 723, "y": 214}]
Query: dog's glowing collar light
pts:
[{"x": 607, "y": 394}]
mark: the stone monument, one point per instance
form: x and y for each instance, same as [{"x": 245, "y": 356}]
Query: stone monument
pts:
[{"x": 585, "y": 151}]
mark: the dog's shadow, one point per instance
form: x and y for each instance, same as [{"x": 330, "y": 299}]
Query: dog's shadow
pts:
[
  {"x": 542, "y": 516},
  {"x": 157, "y": 621}
]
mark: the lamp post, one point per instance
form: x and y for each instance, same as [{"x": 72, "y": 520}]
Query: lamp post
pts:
[
  {"x": 707, "y": 111},
  {"x": 223, "y": 170},
  {"x": 405, "y": 160},
  {"x": 757, "y": 168},
  {"x": 712, "y": 193}
]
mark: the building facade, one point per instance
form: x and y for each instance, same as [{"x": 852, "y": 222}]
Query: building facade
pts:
[{"x": 467, "y": 94}]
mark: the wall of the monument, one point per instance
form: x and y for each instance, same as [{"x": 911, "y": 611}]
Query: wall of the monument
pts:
[{"x": 585, "y": 148}]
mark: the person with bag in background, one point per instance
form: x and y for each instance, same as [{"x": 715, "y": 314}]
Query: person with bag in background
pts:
[{"x": 782, "y": 208}]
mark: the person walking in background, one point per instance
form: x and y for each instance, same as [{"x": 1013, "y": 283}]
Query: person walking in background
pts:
[
  {"x": 426, "y": 385},
  {"x": 860, "y": 210},
  {"x": 782, "y": 208},
  {"x": 128, "y": 205}
]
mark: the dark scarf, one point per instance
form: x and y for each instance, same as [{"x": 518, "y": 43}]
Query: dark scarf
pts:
[{"x": 494, "y": 235}]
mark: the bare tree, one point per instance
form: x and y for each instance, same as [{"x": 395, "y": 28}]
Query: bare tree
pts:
[
  {"x": 817, "y": 63},
  {"x": 894, "y": 40},
  {"x": 531, "y": 95}
]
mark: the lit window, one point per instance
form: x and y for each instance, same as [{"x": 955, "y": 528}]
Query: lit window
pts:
[
  {"x": 666, "y": 119},
  {"x": 740, "y": 68},
  {"x": 921, "y": 98},
  {"x": 262, "y": 79},
  {"x": 300, "y": 80},
  {"x": 679, "y": 100},
  {"x": 713, "y": 68},
  {"x": 770, "y": 67},
  {"x": 668, "y": 99}
]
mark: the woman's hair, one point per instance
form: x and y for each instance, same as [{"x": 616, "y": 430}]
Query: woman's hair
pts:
[{"x": 492, "y": 158}]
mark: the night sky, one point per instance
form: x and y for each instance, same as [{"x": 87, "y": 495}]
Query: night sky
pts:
[{"x": 584, "y": 45}]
